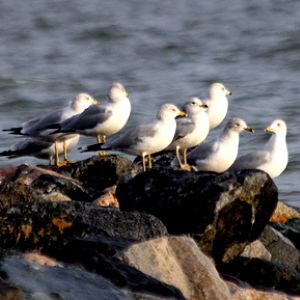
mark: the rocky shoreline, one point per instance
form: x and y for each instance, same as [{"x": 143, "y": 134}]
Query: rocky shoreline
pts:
[{"x": 103, "y": 229}]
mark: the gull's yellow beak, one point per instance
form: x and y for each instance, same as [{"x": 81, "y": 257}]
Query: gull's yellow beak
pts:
[
  {"x": 95, "y": 101},
  {"x": 249, "y": 129},
  {"x": 182, "y": 114},
  {"x": 269, "y": 129}
]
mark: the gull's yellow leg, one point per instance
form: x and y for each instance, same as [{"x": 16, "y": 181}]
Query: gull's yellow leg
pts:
[
  {"x": 101, "y": 139},
  {"x": 144, "y": 163},
  {"x": 185, "y": 165},
  {"x": 57, "y": 162},
  {"x": 149, "y": 161},
  {"x": 66, "y": 154},
  {"x": 178, "y": 156},
  {"x": 185, "y": 156}
]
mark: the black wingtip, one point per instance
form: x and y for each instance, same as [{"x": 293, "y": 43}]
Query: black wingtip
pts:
[
  {"x": 93, "y": 147},
  {"x": 14, "y": 130}
]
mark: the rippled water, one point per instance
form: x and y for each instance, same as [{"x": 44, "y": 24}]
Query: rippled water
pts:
[{"x": 163, "y": 51}]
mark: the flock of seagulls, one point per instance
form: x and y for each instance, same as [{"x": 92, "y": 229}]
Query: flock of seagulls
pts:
[{"x": 177, "y": 129}]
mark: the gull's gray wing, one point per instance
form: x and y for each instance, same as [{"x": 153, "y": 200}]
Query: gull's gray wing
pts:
[
  {"x": 251, "y": 160},
  {"x": 201, "y": 152},
  {"x": 133, "y": 136},
  {"x": 35, "y": 126},
  {"x": 88, "y": 119},
  {"x": 184, "y": 126},
  {"x": 27, "y": 147}
]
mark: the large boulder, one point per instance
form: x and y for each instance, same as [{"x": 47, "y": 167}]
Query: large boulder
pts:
[
  {"x": 282, "y": 250},
  {"x": 177, "y": 261},
  {"x": 41, "y": 223},
  {"x": 99, "y": 173},
  {"x": 57, "y": 282},
  {"x": 224, "y": 212},
  {"x": 28, "y": 183}
]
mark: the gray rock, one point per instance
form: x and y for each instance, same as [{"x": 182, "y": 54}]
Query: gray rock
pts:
[
  {"x": 261, "y": 273},
  {"x": 224, "y": 212},
  {"x": 281, "y": 249},
  {"x": 291, "y": 230},
  {"x": 63, "y": 282},
  {"x": 256, "y": 249},
  {"x": 97, "y": 254},
  {"x": 179, "y": 262}
]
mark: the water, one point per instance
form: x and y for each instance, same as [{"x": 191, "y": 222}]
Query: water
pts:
[{"x": 163, "y": 51}]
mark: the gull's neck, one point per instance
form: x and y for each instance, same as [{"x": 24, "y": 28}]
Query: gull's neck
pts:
[
  {"x": 230, "y": 137},
  {"x": 201, "y": 120},
  {"x": 277, "y": 142}
]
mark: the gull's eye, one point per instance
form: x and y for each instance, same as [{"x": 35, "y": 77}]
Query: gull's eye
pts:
[
  {"x": 193, "y": 103},
  {"x": 278, "y": 124}
]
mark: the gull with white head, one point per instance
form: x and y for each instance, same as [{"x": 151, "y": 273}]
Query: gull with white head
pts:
[
  {"x": 41, "y": 148},
  {"x": 219, "y": 155},
  {"x": 217, "y": 104},
  {"x": 100, "y": 120},
  {"x": 273, "y": 158},
  {"x": 145, "y": 139},
  {"x": 190, "y": 130},
  {"x": 38, "y": 127}
]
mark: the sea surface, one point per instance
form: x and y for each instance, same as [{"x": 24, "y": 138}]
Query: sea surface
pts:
[{"x": 162, "y": 51}]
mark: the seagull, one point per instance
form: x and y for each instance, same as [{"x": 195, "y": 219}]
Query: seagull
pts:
[
  {"x": 220, "y": 154},
  {"x": 146, "y": 139},
  {"x": 40, "y": 148},
  {"x": 217, "y": 104},
  {"x": 191, "y": 130},
  {"x": 37, "y": 128},
  {"x": 100, "y": 120},
  {"x": 273, "y": 159}
]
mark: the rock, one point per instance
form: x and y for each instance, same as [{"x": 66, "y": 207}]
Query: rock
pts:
[
  {"x": 256, "y": 249},
  {"x": 179, "y": 262},
  {"x": 283, "y": 212},
  {"x": 291, "y": 230},
  {"x": 65, "y": 282},
  {"x": 224, "y": 212},
  {"x": 261, "y": 273},
  {"x": 99, "y": 173},
  {"x": 8, "y": 291},
  {"x": 30, "y": 183},
  {"x": 97, "y": 254},
  {"x": 162, "y": 159},
  {"x": 281, "y": 249},
  {"x": 108, "y": 199},
  {"x": 40, "y": 224},
  {"x": 243, "y": 291}
]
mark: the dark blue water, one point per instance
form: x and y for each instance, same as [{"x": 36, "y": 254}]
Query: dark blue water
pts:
[{"x": 163, "y": 51}]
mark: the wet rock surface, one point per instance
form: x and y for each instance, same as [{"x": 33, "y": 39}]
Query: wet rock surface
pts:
[{"x": 151, "y": 246}]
